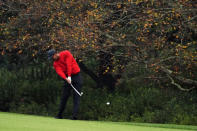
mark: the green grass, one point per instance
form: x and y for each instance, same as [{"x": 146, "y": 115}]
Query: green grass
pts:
[{"x": 21, "y": 122}]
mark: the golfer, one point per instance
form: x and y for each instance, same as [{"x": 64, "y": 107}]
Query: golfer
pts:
[{"x": 67, "y": 68}]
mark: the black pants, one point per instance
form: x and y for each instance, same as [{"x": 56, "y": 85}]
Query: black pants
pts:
[{"x": 77, "y": 83}]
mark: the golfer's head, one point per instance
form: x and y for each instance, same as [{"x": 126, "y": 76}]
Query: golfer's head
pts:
[{"x": 52, "y": 54}]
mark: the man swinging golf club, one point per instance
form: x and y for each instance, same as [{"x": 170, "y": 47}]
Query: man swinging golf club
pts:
[{"x": 67, "y": 68}]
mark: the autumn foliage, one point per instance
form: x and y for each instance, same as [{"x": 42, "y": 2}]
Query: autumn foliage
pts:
[{"x": 158, "y": 36}]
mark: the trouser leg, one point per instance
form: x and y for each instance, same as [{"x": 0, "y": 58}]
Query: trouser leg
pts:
[
  {"x": 64, "y": 98},
  {"x": 76, "y": 98},
  {"x": 76, "y": 101}
]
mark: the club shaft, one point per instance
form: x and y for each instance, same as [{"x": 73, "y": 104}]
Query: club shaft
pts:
[{"x": 76, "y": 90}]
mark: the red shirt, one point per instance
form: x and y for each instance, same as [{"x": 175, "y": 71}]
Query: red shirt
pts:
[{"x": 66, "y": 65}]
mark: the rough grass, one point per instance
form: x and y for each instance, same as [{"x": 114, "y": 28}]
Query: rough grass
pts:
[{"x": 21, "y": 122}]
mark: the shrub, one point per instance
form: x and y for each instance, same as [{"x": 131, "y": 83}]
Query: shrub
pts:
[{"x": 130, "y": 101}]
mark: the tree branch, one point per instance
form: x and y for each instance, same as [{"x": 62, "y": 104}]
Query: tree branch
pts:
[
  {"x": 177, "y": 85},
  {"x": 182, "y": 79}
]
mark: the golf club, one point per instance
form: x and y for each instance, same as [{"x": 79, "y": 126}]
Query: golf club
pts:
[{"x": 80, "y": 94}]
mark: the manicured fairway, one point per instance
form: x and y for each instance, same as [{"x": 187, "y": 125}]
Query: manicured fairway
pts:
[{"x": 20, "y": 122}]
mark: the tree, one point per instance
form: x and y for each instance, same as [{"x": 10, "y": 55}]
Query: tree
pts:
[{"x": 159, "y": 36}]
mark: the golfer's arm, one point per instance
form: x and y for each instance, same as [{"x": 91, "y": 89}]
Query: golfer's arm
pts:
[
  {"x": 60, "y": 72},
  {"x": 69, "y": 63}
]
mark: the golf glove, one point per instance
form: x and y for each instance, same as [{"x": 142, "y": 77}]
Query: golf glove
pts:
[{"x": 69, "y": 80}]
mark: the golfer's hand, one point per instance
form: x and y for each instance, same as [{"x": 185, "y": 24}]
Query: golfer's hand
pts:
[{"x": 68, "y": 80}]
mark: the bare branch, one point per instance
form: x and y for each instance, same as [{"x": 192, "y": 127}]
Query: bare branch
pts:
[
  {"x": 177, "y": 85},
  {"x": 182, "y": 79}
]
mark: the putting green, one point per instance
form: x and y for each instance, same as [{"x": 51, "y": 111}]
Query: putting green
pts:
[{"x": 20, "y": 122}]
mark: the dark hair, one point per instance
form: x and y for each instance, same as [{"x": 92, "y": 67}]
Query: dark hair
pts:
[{"x": 51, "y": 53}]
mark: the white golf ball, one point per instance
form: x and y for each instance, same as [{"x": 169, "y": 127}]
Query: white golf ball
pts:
[{"x": 108, "y": 103}]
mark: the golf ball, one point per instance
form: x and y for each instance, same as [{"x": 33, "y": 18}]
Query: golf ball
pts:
[{"x": 108, "y": 103}]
